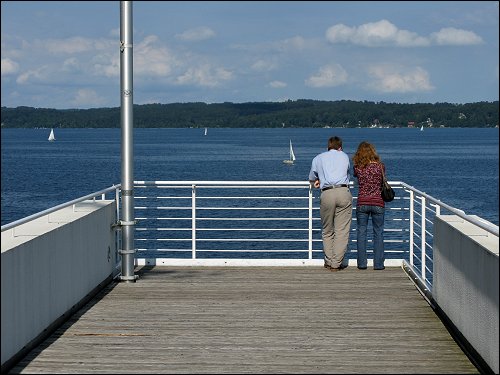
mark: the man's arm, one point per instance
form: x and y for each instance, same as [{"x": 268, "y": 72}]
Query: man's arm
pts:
[{"x": 313, "y": 175}]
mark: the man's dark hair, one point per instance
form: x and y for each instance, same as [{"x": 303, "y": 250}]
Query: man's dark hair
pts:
[{"x": 334, "y": 143}]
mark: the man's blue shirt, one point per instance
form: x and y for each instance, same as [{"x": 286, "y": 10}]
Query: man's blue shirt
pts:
[{"x": 331, "y": 168}]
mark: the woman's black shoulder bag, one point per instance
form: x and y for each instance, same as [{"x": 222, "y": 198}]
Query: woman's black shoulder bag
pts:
[{"x": 387, "y": 191}]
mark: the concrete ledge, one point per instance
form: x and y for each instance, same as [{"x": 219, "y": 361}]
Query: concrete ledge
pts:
[
  {"x": 50, "y": 264},
  {"x": 37, "y": 227},
  {"x": 465, "y": 282}
]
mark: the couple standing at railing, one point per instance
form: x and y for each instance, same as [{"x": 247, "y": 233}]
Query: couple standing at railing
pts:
[{"x": 330, "y": 171}]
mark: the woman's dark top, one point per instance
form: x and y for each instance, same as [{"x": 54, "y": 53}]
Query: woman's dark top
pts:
[{"x": 370, "y": 184}]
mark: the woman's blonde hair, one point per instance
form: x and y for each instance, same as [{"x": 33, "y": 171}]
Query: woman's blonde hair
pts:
[{"x": 365, "y": 154}]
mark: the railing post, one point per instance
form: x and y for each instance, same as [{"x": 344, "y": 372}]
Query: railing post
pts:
[
  {"x": 118, "y": 237},
  {"x": 310, "y": 221},
  {"x": 193, "y": 221},
  {"x": 423, "y": 237},
  {"x": 117, "y": 200},
  {"x": 412, "y": 217}
]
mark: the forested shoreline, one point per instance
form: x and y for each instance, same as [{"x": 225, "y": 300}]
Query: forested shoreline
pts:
[{"x": 301, "y": 113}]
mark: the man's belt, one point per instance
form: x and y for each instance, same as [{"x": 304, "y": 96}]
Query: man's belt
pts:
[{"x": 333, "y": 187}]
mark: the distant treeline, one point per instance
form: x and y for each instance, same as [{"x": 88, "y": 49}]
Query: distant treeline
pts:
[{"x": 292, "y": 113}]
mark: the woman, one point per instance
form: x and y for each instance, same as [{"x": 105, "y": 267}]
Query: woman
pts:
[{"x": 368, "y": 170}]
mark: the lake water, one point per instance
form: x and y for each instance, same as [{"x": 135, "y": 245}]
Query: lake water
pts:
[{"x": 459, "y": 166}]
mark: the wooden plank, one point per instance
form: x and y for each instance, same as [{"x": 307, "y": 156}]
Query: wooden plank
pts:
[{"x": 253, "y": 320}]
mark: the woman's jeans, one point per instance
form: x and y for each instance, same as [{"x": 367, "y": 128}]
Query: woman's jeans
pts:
[{"x": 362, "y": 215}]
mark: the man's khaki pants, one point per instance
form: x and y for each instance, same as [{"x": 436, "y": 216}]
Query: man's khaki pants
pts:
[{"x": 336, "y": 217}]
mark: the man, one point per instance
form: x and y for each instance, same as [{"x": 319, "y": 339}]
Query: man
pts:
[{"x": 330, "y": 172}]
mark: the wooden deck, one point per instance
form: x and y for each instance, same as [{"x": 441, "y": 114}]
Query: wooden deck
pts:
[{"x": 253, "y": 320}]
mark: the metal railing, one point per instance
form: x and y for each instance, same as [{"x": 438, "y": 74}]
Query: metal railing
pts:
[
  {"x": 423, "y": 209},
  {"x": 102, "y": 193},
  {"x": 276, "y": 221},
  {"x": 272, "y": 219}
]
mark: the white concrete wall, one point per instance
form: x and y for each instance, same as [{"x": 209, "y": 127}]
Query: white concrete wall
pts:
[
  {"x": 49, "y": 265},
  {"x": 465, "y": 282}
]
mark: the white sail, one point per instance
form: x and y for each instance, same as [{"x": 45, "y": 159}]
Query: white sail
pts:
[
  {"x": 206, "y": 130},
  {"x": 52, "y": 136},
  {"x": 292, "y": 155},
  {"x": 422, "y": 128}
]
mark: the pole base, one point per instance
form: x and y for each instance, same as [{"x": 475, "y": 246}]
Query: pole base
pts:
[{"x": 129, "y": 279}]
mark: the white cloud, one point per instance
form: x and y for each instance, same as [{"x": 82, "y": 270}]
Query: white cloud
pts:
[
  {"x": 340, "y": 33},
  {"x": 204, "y": 75},
  {"x": 29, "y": 76},
  {"x": 87, "y": 98},
  {"x": 328, "y": 76},
  {"x": 263, "y": 66},
  {"x": 373, "y": 34},
  {"x": 76, "y": 45},
  {"x": 384, "y": 33},
  {"x": 9, "y": 67},
  {"x": 295, "y": 43},
  {"x": 452, "y": 36},
  {"x": 197, "y": 34},
  {"x": 105, "y": 65},
  {"x": 390, "y": 79},
  {"x": 151, "y": 59},
  {"x": 70, "y": 45},
  {"x": 277, "y": 84}
]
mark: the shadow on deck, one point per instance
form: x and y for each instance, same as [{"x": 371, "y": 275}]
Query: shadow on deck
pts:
[{"x": 253, "y": 320}]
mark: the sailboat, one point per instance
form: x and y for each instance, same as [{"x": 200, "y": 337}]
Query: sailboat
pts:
[
  {"x": 52, "y": 136},
  {"x": 422, "y": 128},
  {"x": 292, "y": 155},
  {"x": 206, "y": 130}
]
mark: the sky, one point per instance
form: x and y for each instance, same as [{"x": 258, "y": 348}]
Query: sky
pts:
[{"x": 65, "y": 54}]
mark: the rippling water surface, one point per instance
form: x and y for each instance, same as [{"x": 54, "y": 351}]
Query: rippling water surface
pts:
[{"x": 459, "y": 166}]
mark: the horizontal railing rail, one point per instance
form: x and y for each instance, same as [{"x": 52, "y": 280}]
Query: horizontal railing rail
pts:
[{"x": 26, "y": 219}]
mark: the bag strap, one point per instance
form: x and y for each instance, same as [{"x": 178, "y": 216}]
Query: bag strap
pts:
[
  {"x": 382, "y": 169},
  {"x": 384, "y": 180}
]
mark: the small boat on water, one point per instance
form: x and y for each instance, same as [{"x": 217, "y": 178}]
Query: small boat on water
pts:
[
  {"x": 291, "y": 160},
  {"x": 52, "y": 137},
  {"x": 206, "y": 131}
]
